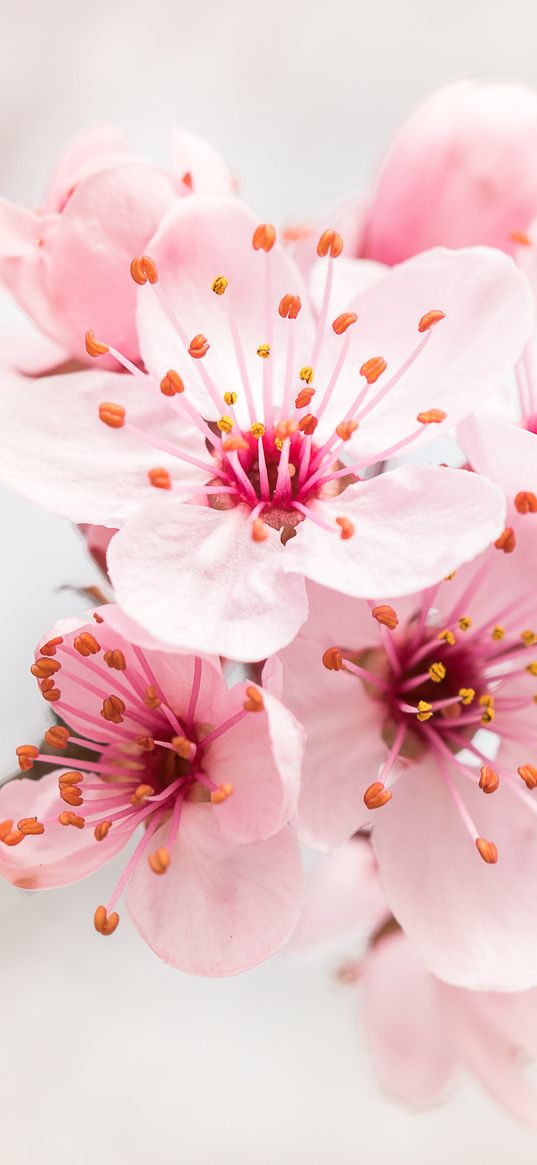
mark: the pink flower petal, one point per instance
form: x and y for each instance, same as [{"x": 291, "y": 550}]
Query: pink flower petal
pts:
[
  {"x": 504, "y": 452},
  {"x": 343, "y": 894},
  {"x": 194, "y": 157}
]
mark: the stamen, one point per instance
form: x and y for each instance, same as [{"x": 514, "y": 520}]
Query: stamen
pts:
[
  {"x": 105, "y": 923},
  {"x": 529, "y": 775},
  {"x": 437, "y": 672},
  {"x": 51, "y": 647},
  {"x": 160, "y": 859},
  {"x": 345, "y": 429},
  {"x": 254, "y": 700},
  {"x": 487, "y": 850},
  {"x": 289, "y": 307},
  {"x": 26, "y": 754},
  {"x": 431, "y": 417},
  {"x": 102, "y": 830},
  {"x": 67, "y": 818},
  {"x": 115, "y": 659},
  {"x": 346, "y": 527},
  {"x": 489, "y": 780},
  {"x": 373, "y": 368},
  {"x": 344, "y": 321},
  {"x": 430, "y": 319},
  {"x": 144, "y": 269},
  {"x": 506, "y": 541},
  {"x": 198, "y": 347},
  {"x": 112, "y": 414},
  {"x": 57, "y": 736},
  {"x": 306, "y": 374},
  {"x": 94, "y": 346},
  {"x": 171, "y": 384},
  {"x": 221, "y": 794},
  {"x": 86, "y": 644},
  {"x": 526, "y": 502},
  {"x": 330, "y": 243},
  {"x": 377, "y": 795},
  {"x": 264, "y": 237},
  {"x": 333, "y": 659},
  {"x": 113, "y": 709},
  {"x": 30, "y": 827},
  {"x": 385, "y": 615},
  {"x": 259, "y": 530},
  {"x": 304, "y": 398},
  {"x": 219, "y": 284},
  {"x": 159, "y": 478}
]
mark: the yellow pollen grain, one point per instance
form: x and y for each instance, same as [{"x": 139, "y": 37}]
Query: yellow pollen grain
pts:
[
  {"x": 424, "y": 710},
  {"x": 498, "y": 632},
  {"x": 448, "y": 637},
  {"x": 258, "y": 429},
  {"x": 225, "y": 424},
  {"x": 306, "y": 374},
  {"x": 467, "y": 695},
  {"x": 437, "y": 672},
  {"x": 528, "y": 637},
  {"x": 219, "y": 285},
  {"x": 264, "y": 351},
  {"x": 465, "y": 623},
  {"x": 486, "y": 701},
  {"x": 279, "y": 444},
  {"x": 532, "y": 668},
  {"x": 488, "y": 716},
  {"x": 230, "y": 398},
  {"x": 448, "y": 577}
]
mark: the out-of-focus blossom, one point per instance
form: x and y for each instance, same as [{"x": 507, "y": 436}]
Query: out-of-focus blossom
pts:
[
  {"x": 69, "y": 261},
  {"x": 420, "y": 1029},
  {"x": 421, "y": 722},
  {"x": 257, "y": 421},
  {"x": 208, "y": 774}
]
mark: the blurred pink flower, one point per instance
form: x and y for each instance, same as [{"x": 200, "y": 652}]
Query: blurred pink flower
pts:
[
  {"x": 420, "y": 1029},
  {"x": 256, "y": 475},
  {"x": 69, "y": 261},
  {"x": 422, "y": 707},
  {"x": 210, "y": 774}
]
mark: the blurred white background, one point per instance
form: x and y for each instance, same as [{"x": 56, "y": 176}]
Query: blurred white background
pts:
[{"x": 107, "y": 1054}]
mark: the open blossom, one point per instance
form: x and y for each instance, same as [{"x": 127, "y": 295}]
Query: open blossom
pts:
[
  {"x": 420, "y": 1029},
  {"x": 257, "y": 421},
  {"x": 421, "y": 721},
  {"x": 69, "y": 260},
  {"x": 206, "y": 776}
]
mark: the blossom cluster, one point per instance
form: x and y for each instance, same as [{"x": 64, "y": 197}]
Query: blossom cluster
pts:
[{"x": 250, "y": 426}]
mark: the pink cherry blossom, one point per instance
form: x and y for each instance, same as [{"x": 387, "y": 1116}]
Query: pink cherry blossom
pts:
[
  {"x": 420, "y": 1029},
  {"x": 421, "y": 723},
  {"x": 69, "y": 261},
  {"x": 259, "y": 422},
  {"x": 206, "y": 775},
  {"x": 462, "y": 170}
]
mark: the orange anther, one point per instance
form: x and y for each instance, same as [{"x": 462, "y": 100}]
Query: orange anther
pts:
[
  {"x": 376, "y": 795},
  {"x": 506, "y": 541},
  {"x": 529, "y": 775},
  {"x": 104, "y": 923},
  {"x": 70, "y": 778},
  {"x": 489, "y": 779},
  {"x": 182, "y": 746},
  {"x": 264, "y": 237},
  {"x": 49, "y": 691},
  {"x": 30, "y": 826},
  {"x": 115, "y": 659},
  {"x": 67, "y": 818},
  {"x": 373, "y": 368},
  {"x": 94, "y": 346},
  {"x": 219, "y": 284},
  {"x": 151, "y": 699},
  {"x": 171, "y": 384},
  {"x": 520, "y": 237},
  {"x": 331, "y": 243},
  {"x": 285, "y": 429},
  {"x": 333, "y": 659},
  {"x": 233, "y": 444},
  {"x": 45, "y": 667},
  {"x": 386, "y": 615},
  {"x": 259, "y": 530},
  {"x": 198, "y": 347},
  {"x": 143, "y": 268},
  {"x": 308, "y": 424},
  {"x": 27, "y": 753},
  {"x": 346, "y": 527},
  {"x": 304, "y": 397},
  {"x": 49, "y": 648},
  {"x": 187, "y": 180},
  {"x": 8, "y": 835},
  {"x": 345, "y": 429},
  {"x": 159, "y": 860},
  {"x": 487, "y": 849},
  {"x": 141, "y": 794},
  {"x": 146, "y": 743},
  {"x": 526, "y": 502},
  {"x": 113, "y": 709},
  {"x": 86, "y": 644},
  {"x": 221, "y": 794},
  {"x": 344, "y": 321},
  {"x": 159, "y": 478},
  {"x": 254, "y": 700},
  {"x": 430, "y": 319},
  {"x": 98, "y": 618},
  {"x": 102, "y": 830},
  {"x": 431, "y": 417},
  {"x": 71, "y": 794},
  {"x": 57, "y": 737},
  {"x": 289, "y": 307},
  {"x": 112, "y": 414}
]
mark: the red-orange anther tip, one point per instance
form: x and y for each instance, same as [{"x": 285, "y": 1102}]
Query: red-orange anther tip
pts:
[
  {"x": 526, "y": 502},
  {"x": 520, "y": 237},
  {"x": 141, "y": 794},
  {"x": 199, "y": 346},
  {"x": 346, "y": 528},
  {"x": 376, "y": 795},
  {"x": 289, "y": 307},
  {"x": 94, "y": 346},
  {"x": 221, "y": 794},
  {"x": 308, "y": 424},
  {"x": 112, "y": 414},
  {"x": 187, "y": 180},
  {"x": 386, "y": 615},
  {"x": 67, "y": 818},
  {"x": 330, "y": 243},
  {"x": 345, "y": 429},
  {"x": 259, "y": 530},
  {"x": 430, "y": 319},
  {"x": 86, "y": 644},
  {"x": 489, "y": 779},
  {"x": 264, "y": 237},
  {"x": 159, "y": 478},
  {"x": 373, "y": 368},
  {"x": 49, "y": 648},
  {"x": 48, "y": 690},
  {"x": 304, "y": 398},
  {"x": 57, "y": 737},
  {"x": 233, "y": 444},
  {"x": 254, "y": 700},
  {"x": 487, "y": 849},
  {"x": 344, "y": 321},
  {"x": 171, "y": 383},
  {"x": 105, "y": 923},
  {"x": 286, "y": 429},
  {"x": 159, "y": 860},
  {"x": 113, "y": 709},
  {"x": 144, "y": 269},
  {"x": 102, "y": 830},
  {"x": 30, "y": 826},
  {"x": 431, "y": 417},
  {"x": 506, "y": 541},
  {"x": 529, "y": 775},
  {"x": 115, "y": 659},
  {"x": 44, "y": 667},
  {"x": 26, "y": 754},
  {"x": 333, "y": 659}
]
